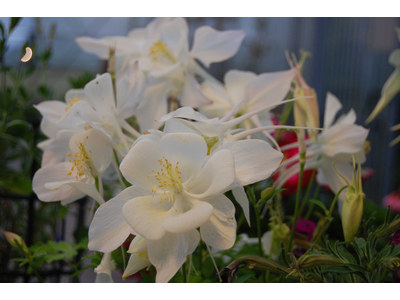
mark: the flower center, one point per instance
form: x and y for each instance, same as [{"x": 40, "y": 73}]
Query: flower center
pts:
[
  {"x": 169, "y": 179},
  {"x": 160, "y": 49},
  {"x": 71, "y": 103},
  {"x": 82, "y": 162}
]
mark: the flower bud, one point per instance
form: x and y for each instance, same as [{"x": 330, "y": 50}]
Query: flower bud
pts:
[
  {"x": 268, "y": 193},
  {"x": 353, "y": 206},
  {"x": 15, "y": 240}
]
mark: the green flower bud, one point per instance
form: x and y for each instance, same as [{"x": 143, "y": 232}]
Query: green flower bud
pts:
[
  {"x": 15, "y": 240},
  {"x": 353, "y": 206},
  {"x": 268, "y": 193}
]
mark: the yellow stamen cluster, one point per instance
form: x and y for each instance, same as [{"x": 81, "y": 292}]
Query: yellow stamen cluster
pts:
[
  {"x": 169, "y": 179},
  {"x": 160, "y": 49},
  {"x": 71, "y": 103},
  {"x": 82, "y": 162}
]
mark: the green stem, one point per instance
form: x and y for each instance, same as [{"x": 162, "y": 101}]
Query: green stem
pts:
[
  {"x": 305, "y": 198},
  {"x": 296, "y": 209},
  {"x": 325, "y": 224},
  {"x": 184, "y": 272},
  {"x": 285, "y": 116},
  {"x": 310, "y": 208},
  {"x": 252, "y": 199},
  {"x": 201, "y": 257},
  {"x": 30, "y": 260}
]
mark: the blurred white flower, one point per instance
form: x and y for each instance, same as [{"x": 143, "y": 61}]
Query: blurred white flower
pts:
[{"x": 336, "y": 144}]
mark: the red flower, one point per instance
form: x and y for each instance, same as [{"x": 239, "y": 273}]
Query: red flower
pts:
[{"x": 288, "y": 137}]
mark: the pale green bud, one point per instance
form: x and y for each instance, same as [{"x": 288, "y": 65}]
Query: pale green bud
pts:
[
  {"x": 353, "y": 206},
  {"x": 15, "y": 240}
]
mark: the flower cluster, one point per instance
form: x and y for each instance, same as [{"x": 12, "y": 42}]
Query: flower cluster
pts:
[{"x": 216, "y": 137}]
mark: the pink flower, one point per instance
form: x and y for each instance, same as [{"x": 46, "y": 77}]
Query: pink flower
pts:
[{"x": 393, "y": 199}]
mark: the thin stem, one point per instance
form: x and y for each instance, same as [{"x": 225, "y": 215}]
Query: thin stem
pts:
[
  {"x": 252, "y": 199},
  {"x": 296, "y": 210},
  {"x": 315, "y": 196},
  {"x": 325, "y": 223},
  {"x": 184, "y": 272},
  {"x": 305, "y": 198},
  {"x": 285, "y": 116}
]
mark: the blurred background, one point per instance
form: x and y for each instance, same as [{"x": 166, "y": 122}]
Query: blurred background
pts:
[{"x": 349, "y": 59}]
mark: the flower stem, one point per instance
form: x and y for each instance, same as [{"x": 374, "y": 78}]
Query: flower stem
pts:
[
  {"x": 305, "y": 198},
  {"x": 285, "y": 116},
  {"x": 252, "y": 199},
  {"x": 326, "y": 221},
  {"x": 296, "y": 209},
  {"x": 184, "y": 272},
  {"x": 310, "y": 208}
]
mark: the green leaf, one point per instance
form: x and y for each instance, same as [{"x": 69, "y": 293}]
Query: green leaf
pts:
[
  {"x": 2, "y": 31},
  {"x": 346, "y": 255},
  {"x": 14, "y": 22},
  {"x": 319, "y": 203}
]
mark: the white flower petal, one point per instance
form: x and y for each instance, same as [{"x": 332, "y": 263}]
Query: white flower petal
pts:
[
  {"x": 184, "y": 112},
  {"x": 146, "y": 215},
  {"x": 152, "y": 107},
  {"x": 97, "y": 146},
  {"x": 196, "y": 216},
  {"x": 343, "y": 138},
  {"x": 53, "y": 173},
  {"x": 192, "y": 94},
  {"x": 221, "y": 103},
  {"x": 100, "y": 47},
  {"x": 135, "y": 264},
  {"x": 109, "y": 230},
  {"x": 332, "y": 106},
  {"x": 255, "y": 160},
  {"x": 235, "y": 82},
  {"x": 210, "y": 45},
  {"x": 138, "y": 164},
  {"x": 169, "y": 253},
  {"x": 220, "y": 231},
  {"x": 241, "y": 198},
  {"x": 349, "y": 118},
  {"x": 269, "y": 88},
  {"x": 100, "y": 94},
  {"x": 216, "y": 176},
  {"x": 187, "y": 151},
  {"x": 52, "y": 110}
]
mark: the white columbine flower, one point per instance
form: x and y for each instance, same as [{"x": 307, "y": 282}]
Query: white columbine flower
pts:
[
  {"x": 248, "y": 90},
  {"x": 176, "y": 189},
  {"x": 162, "y": 51},
  {"x": 336, "y": 144},
  {"x": 89, "y": 155},
  {"x": 98, "y": 108}
]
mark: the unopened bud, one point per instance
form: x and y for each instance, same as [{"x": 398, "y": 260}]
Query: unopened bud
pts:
[
  {"x": 353, "y": 206},
  {"x": 352, "y": 212},
  {"x": 15, "y": 240},
  {"x": 268, "y": 193}
]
